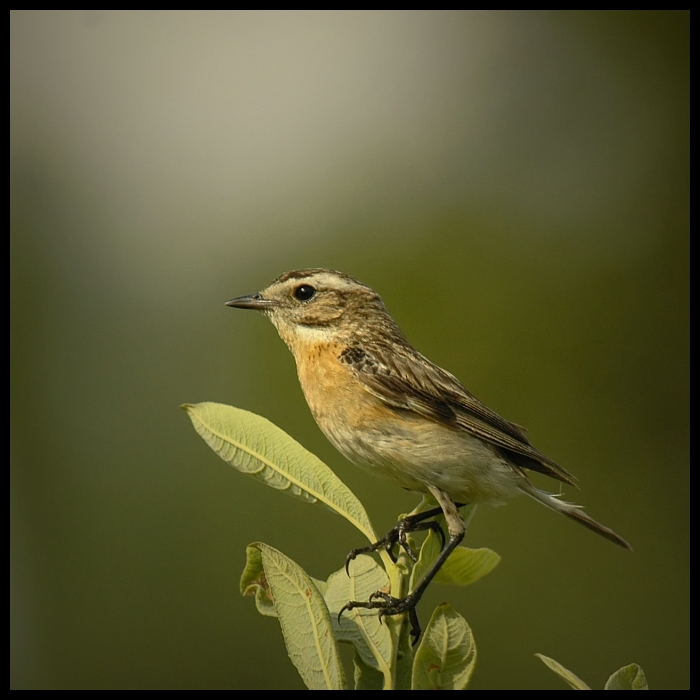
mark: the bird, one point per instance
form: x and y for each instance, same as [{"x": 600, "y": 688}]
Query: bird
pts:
[{"x": 390, "y": 410}]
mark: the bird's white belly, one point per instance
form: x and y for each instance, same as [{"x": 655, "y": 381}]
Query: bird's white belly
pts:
[{"x": 415, "y": 452}]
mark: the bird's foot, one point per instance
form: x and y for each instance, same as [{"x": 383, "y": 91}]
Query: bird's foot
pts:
[
  {"x": 398, "y": 535},
  {"x": 388, "y": 605}
]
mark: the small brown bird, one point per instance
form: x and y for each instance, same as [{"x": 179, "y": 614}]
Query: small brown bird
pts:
[{"x": 391, "y": 411}]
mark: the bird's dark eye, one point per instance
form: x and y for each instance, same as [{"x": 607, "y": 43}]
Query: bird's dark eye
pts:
[{"x": 304, "y": 292}]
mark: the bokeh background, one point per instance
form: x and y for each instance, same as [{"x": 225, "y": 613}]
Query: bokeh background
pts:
[{"x": 514, "y": 184}]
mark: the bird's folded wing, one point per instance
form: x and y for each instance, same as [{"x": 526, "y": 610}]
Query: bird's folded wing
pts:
[{"x": 406, "y": 380}]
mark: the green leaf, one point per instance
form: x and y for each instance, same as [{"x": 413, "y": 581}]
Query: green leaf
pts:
[
  {"x": 446, "y": 655},
  {"x": 366, "y": 677},
  {"x": 257, "y": 447},
  {"x": 464, "y": 566},
  {"x": 627, "y": 678},
  {"x": 404, "y": 659},
  {"x": 361, "y": 627},
  {"x": 254, "y": 582},
  {"x": 573, "y": 680},
  {"x": 467, "y": 566},
  {"x": 304, "y": 619}
]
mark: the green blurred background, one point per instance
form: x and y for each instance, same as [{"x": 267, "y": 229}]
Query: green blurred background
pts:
[{"x": 514, "y": 184}]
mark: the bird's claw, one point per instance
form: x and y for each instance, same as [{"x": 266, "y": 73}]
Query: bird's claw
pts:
[
  {"x": 387, "y": 605},
  {"x": 398, "y": 535}
]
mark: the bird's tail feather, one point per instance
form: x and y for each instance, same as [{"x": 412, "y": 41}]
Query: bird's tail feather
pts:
[{"x": 573, "y": 511}]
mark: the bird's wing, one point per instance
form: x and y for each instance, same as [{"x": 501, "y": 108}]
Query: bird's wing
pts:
[{"x": 406, "y": 380}]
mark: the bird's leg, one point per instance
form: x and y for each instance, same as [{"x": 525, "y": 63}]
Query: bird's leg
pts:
[
  {"x": 388, "y": 605},
  {"x": 398, "y": 535}
]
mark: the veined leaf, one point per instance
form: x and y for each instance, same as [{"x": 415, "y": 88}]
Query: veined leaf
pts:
[
  {"x": 464, "y": 566},
  {"x": 446, "y": 656},
  {"x": 361, "y": 627},
  {"x": 405, "y": 654},
  {"x": 628, "y": 678},
  {"x": 572, "y": 679},
  {"x": 254, "y": 582},
  {"x": 366, "y": 677},
  {"x": 257, "y": 447},
  {"x": 467, "y": 565},
  {"x": 304, "y": 619}
]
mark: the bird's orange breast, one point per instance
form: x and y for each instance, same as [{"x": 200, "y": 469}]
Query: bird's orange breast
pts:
[{"x": 330, "y": 387}]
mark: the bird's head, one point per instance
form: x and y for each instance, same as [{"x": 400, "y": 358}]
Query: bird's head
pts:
[{"x": 317, "y": 305}]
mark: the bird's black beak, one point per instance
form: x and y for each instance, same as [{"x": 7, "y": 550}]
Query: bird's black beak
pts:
[{"x": 251, "y": 301}]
